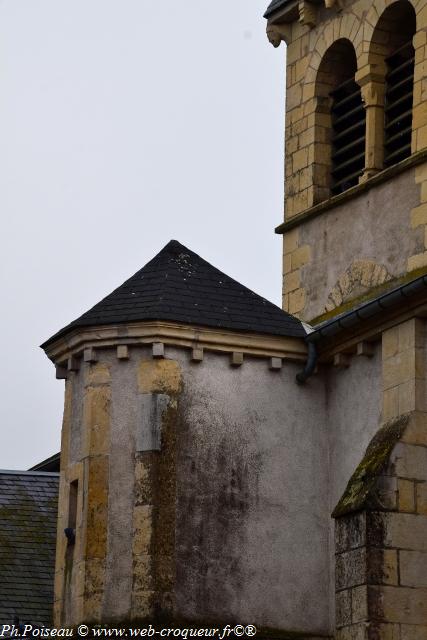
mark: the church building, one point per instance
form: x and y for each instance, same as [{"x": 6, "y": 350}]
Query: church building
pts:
[{"x": 225, "y": 461}]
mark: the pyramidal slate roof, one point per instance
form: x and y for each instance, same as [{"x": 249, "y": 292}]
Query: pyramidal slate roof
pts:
[
  {"x": 177, "y": 285},
  {"x": 28, "y": 514}
]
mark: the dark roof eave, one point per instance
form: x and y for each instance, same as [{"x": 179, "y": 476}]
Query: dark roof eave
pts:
[{"x": 274, "y": 6}]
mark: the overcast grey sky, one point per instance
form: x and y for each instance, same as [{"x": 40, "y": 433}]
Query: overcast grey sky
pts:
[{"x": 123, "y": 124}]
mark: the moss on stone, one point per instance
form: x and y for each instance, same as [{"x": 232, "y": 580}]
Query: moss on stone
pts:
[{"x": 355, "y": 497}]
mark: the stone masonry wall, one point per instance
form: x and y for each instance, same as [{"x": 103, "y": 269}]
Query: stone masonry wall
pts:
[
  {"x": 307, "y": 152},
  {"x": 381, "y": 550}
]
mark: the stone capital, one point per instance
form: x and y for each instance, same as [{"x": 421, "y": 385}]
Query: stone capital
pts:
[
  {"x": 370, "y": 74},
  {"x": 373, "y": 94}
]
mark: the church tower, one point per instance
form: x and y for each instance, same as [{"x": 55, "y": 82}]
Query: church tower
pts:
[{"x": 356, "y": 150}]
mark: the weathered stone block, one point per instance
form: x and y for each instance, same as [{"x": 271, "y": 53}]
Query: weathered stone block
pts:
[
  {"x": 159, "y": 376},
  {"x": 390, "y": 342},
  {"x": 405, "y": 531},
  {"x": 143, "y": 481},
  {"x": 416, "y": 430},
  {"x": 97, "y": 507},
  {"x": 142, "y": 529},
  {"x": 421, "y": 490},
  {"x": 94, "y": 576},
  {"x": 142, "y": 605},
  {"x": 378, "y": 631},
  {"x": 92, "y": 607},
  {"x": 343, "y": 608},
  {"x": 290, "y": 241},
  {"x": 382, "y": 566},
  {"x": 142, "y": 573},
  {"x": 404, "y": 605},
  {"x": 413, "y": 632},
  {"x": 96, "y": 420},
  {"x": 98, "y": 374},
  {"x": 413, "y": 568},
  {"x": 350, "y": 532},
  {"x": 351, "y": 568},
  {"x": 296, "y": 301},
  {"x": 386, "y": 493},
  {"x": 406, "y": 495},
  {"x": 301, "y": 256},
  {"x": 410, "y": 461},
  {"x": 359, "y": 604},
  {"x": 353, "y": 632}
]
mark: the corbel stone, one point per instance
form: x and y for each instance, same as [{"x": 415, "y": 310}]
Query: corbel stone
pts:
[
  {"x": 277, "y": 33},
  {"x": 197, "y": 355},
  {"x": 89, "y": 355},
  {"x": 61, "y": 372},
  {"x": 307, "y": 13},
  {"x": 365, "y": 349},
  {"x": 158, "y": 350},
  {"x": 73, "y": 363},
  {"x": 123, "y": 352},
  {"x": 275, "y": 364},
  {"x": 236, "y": 359},
  {"x": 341, "y": 360}
]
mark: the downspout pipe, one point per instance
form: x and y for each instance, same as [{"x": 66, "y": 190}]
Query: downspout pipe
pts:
[
  {"x": 310, "y": 365},
  {"x": 355, "y": 317}
]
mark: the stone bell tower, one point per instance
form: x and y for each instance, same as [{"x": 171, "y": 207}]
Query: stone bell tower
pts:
[{"x": 356, "y": 149}]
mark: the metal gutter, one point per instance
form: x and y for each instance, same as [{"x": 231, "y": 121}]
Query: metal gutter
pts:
[{"x": 352, "y": 318}]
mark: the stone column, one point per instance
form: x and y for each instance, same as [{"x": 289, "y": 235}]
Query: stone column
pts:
[
  {"x": 153, "y": 540},
  {"x": 373, "y": 90}
]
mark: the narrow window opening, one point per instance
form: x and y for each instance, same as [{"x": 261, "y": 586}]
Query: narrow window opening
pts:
[
  {"x": 70, "y": 531},
  {"x": 398, "y": 104},
  {"x": 339, "y": 149},
  {"x": 392, "y": 56},
  {"x": 348, "y": 136}
]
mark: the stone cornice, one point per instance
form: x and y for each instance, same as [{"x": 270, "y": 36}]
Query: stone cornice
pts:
[
  {"x": 174, "y": 334},
  {"x": 298, "y": 219}
]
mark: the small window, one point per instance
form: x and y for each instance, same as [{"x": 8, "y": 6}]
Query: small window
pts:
[
  {"x": 398, "y": 104},
  {"x": 348, "y": 136},
  {"x": 70, "y": 531}
]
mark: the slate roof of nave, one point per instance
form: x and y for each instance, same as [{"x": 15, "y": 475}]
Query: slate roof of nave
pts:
[{"x": 28, "y": 515}]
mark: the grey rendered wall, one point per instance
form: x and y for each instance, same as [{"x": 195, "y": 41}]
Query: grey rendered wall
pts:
[
  {"x": 253, "y": 517},
  {"x": 260, "y": 464},
  {"x": 374, "y": 227},
  {"x": 354, "y": 401}
]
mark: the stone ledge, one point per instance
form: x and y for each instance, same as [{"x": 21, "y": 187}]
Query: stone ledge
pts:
[{"x": 414, "y": 160}]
